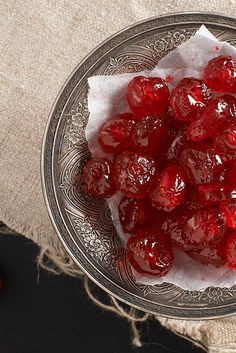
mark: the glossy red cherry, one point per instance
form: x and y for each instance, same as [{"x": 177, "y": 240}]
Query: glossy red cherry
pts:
[
  {"x": 204, "y": 228},
  {"x": 98, "y": 176},
  {"x": 168, "y": 190},
  {"x": 217, "y": 192},
  {"x": 115, "y": 134},
  {"x": 210, "y": 120},
  {"x": 232, "y": 175},
  {"x": 134, "y": 214},
  {"x": 225, "y": 142},
  {"x": 228, "y": 210},
  {"x": 173, "y": 226},
  {"x": 191, "y": 203},
  {"x": 214, "y": 255},
  {"x": 176, "y": 146},
  {"x": 148, "y": 96},
  {"x": 231, "y": 100},
  {"x": 149, "y": 253},
  {"x": 171, "y": 128},
  {"x": 231, "y": 251},
  {"x": 147, "y": 135},
  {"x": 225, "y": 179},
  {"x": 201, "y": 163},
  {"x": 220, "y": 74},
  {"x": 134, "y": 173},
  {"x": 229, "y": 136},
  {"x": 188, "y": 98}
]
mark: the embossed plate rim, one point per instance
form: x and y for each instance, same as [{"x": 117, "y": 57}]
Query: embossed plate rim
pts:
[{"x": 113, "y": 288}]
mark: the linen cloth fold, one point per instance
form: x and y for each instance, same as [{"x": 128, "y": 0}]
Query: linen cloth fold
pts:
[{"x": 40, "y": 44}]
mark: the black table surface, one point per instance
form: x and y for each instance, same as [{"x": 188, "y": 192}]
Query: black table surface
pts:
[{"x": 43, "y": 313}]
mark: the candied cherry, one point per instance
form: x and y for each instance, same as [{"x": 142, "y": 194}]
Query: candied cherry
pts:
[
  {"x": 148, "y": 96},
  {"x": 217, "y": 192},
  {"x": 225, "y": 142},
  {"x": 133, "y": 214},
  {"x": 149, "y": 253},
  {"x": 115, "y": 134},
  {"x": 224, "y": 178},
  {"x": 220, "y": 74},
  {"x": 171, "y": 128},
  {"x": 191, "y": 203},
  {"x": 232, "y": 175},
  {"x": 214, "y": 255},
  {"x": 204, "y": 228},
  {"x": 230, "y": 251},
  {"x": 134, "y": 173},
  {"x": 179, "y": 142},
  {"x": 215, "y": 114},
  {"x": 173, "y": 227},
  {"x": 98, "y": 176},
  {"x": 168, "y": 190},
  {"x": 201, "y": 163},
  {"x": 229, "y": 136},
  {"x": 228, "y": 210},
  {"x": 231, "y": 100},
  {"x": 188, "y": 98},
  {"x": 147, "y": 135}
]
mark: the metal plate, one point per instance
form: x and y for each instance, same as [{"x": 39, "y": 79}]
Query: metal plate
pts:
[{"x": 83, "y": 223}]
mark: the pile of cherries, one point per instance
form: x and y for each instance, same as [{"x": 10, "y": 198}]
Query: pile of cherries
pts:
[{"x": 174, "y": 159}]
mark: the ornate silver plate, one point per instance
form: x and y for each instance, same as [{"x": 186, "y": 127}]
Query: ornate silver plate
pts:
[{"x": 83, "y": 223}]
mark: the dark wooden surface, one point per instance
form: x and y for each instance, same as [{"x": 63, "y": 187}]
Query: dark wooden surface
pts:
[{"x": 41, "y": 313}]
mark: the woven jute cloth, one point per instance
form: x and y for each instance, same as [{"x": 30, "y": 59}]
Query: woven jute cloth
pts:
[{"x": 40, "y": 43}]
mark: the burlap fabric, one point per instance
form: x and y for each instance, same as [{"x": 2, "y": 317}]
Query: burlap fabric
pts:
[{"x": 40, "y": 43}]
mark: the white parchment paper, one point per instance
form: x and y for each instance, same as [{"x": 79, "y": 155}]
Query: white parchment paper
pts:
[{"x": 107, "y": 97}]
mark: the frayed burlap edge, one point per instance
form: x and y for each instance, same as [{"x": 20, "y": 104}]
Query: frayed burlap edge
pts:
[
  {"x": 51, "y": 258},
  {"x": 56, "y": 261}
]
